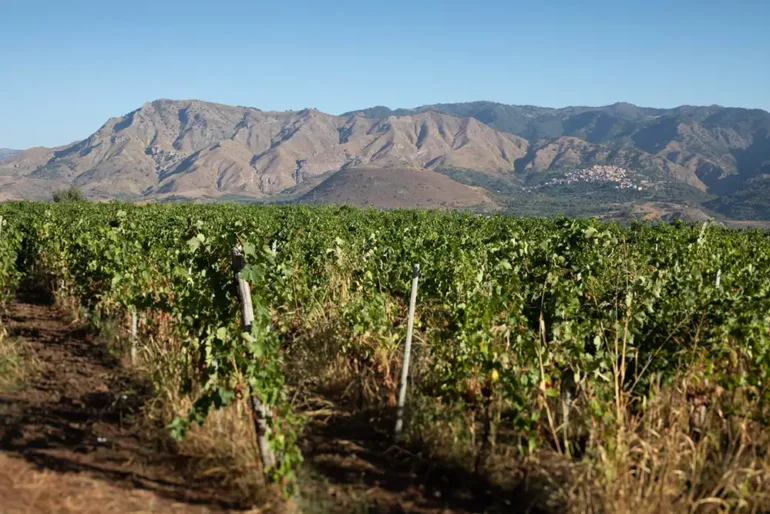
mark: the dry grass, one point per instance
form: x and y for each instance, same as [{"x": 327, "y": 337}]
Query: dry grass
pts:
[
  {"x": 670, "y": 456},
  {"x": 27, "y": 490},
  {"x": 224, "y": 447},
  {"x": 687, "y": 446},
  {"x": 677, "y": 457},
  {"x": 16, "y": 365}
]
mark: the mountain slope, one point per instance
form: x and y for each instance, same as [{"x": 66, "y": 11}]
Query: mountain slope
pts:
[
  {"x": 193, "y": 148},
  {"x": 397, "y": 188},
  {"x": 722, "y": 147},
  {"x": 570, "y": 152},
  {"x": 530, "y": 122}
]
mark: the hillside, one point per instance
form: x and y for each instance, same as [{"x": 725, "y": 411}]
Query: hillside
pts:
[
  {"x": 193, "y": 148},
  {"x": 570, "y": 152},
  {"x": 397, "y": 188},
  {"x": 750, "y": 202},
  {"x": 722, "y": 147}
]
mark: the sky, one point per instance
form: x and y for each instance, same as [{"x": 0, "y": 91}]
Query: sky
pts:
[{"x": 68, "y": 66}]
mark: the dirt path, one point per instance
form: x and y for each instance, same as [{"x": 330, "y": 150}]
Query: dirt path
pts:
[
  {"x": 68, "y": 445},
  {"x": 66, "y": 440},
  {"x": 353, "y": 466}
]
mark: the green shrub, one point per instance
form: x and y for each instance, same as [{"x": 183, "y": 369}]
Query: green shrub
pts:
[{"x": 71, "y": 194}]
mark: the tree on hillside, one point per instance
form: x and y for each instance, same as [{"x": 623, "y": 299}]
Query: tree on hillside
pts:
[{"x": 71, "y": 194}]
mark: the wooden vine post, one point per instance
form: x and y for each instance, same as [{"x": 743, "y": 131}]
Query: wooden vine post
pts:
[
  {"x": 407, "y": 353},
  {"x": 259, "y": 412},
  {"x": 133, "y": 336}
]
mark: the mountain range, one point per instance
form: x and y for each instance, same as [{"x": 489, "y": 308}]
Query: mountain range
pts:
[
  {"x": 7, "y": 153},
  {"x": 711, "y": 158},
  {"x": 722, "y": 147}
]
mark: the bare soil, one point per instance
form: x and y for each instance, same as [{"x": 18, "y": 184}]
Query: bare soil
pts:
[
  {"x": 353, "y": 466},
  {"x": 69, "y": 441}
]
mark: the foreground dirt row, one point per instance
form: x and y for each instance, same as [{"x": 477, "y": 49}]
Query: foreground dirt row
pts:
[{"x": 71, "y": 442}]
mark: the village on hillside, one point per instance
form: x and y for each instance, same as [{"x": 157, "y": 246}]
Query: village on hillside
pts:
[{"x": 599, "y": 173}]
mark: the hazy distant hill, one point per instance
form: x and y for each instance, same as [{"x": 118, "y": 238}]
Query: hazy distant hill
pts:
[{"x": 7, "y": 153}]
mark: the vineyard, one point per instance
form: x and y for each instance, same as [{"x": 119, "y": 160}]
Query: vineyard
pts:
[{"x": 594, "y": 367}]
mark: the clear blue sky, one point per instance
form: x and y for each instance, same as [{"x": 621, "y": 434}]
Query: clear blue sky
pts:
[{"x": 67, "y": 66}]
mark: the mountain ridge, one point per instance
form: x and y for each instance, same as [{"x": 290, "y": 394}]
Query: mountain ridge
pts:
[
  {"x": 169, "y": 146},
  {"x": 713, "y": 142},
  {"x": 194, "y": 149}
]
